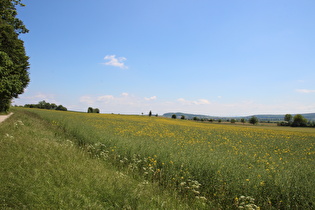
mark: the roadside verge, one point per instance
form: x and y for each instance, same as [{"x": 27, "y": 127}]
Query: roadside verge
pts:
[{"x": 4, "y": 117}]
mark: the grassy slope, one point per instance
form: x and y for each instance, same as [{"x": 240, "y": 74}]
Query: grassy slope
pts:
[{"x": 40, "y": 168}]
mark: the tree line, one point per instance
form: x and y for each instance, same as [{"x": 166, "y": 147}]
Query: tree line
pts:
[
  {"x": 296, "y": 121},
  {"x": 46, "y": 105},
  {"x": 253, "y": 120}
]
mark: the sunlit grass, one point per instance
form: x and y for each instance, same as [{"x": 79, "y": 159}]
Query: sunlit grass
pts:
[
  {"x": 42, "y": 168},
  {"x": 209, "y": 162}
]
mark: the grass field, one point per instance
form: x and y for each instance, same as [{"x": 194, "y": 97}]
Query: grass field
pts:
[
  {"x": 216, "y": 166},
  {"x": 41, "y": 168}
]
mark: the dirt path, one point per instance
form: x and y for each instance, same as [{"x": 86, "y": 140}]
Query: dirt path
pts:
[{"x": 4, "y": 117}]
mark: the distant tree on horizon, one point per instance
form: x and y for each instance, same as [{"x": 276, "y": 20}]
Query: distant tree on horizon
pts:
[
  {"x": 92, "y": 110},
  {"x": 288, "y": 118},
  {"x": 150, "y": 113},
  {"x": 253, "y": 120},
  {"x": 299, "y": 121},
  {"x": 61, "y": 108},
  {"x": 174, "y": 116}
]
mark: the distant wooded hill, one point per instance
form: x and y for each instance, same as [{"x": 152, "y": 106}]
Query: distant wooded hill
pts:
[{"x": 266, "y": 117}]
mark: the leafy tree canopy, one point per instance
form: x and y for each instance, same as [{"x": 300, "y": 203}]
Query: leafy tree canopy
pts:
[
  {"x": 253, "y": 120},
  {"x": 14, "y": 65},
  {"x": 299, "y": 121},
  {"x": 288, "y": 117},
  {"x": 91, "y": 110},
  {"x": 8, "y": 15}
]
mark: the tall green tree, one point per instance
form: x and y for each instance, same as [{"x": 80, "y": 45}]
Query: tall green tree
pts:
[{"x": 14, "y": 65}]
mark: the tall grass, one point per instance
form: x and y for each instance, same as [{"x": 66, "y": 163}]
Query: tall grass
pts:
[
  {"x": 41, "y": 168},
  {"x": 211, "y": 163}
]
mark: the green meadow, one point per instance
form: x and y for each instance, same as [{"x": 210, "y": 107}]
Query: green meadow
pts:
[
  {"x": 54, "y": 159},
  {"x": 41, "y": 168}
]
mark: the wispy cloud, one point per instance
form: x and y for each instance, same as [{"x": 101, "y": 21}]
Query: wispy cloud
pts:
[
  {"x": 197, "y": 102},
  {"x": 105, "y": 98},
  {"x": 305, "y": 91},
  {"x": 117, "y": 62},
  {"x": 150, "y": 98},
  {"x": 87, "y": 100},
  {"x": 125, "y": 94}
]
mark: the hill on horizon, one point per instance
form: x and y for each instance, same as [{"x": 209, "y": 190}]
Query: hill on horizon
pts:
[{"x": 262, "y": 117}]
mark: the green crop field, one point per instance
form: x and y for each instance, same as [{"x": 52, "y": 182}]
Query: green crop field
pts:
[{"x": 201, "y": 165}]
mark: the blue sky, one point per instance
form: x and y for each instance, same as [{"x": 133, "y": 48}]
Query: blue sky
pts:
[{"x": 222, "y": 58}]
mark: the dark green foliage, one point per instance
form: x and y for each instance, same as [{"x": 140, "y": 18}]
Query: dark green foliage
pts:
[
  {"x": 46, "y": 105},
  {"x": 14, "y": 76},
  {"x": 8, "y": 15},
  {"x": 150, "y": 114},
  {"x": 253, "y": 120},
  {"x": 299, "y": 121},
  {"x": 183, "y": 117},
  {"x": 174, "y": 116},
  {"x": 61, "y": 108},
  {"x": 243, "y": 120},
  {"x": 288, "y": 117},
  {"x": 233, "y": 121},
  {"x": 91, "y": 110}
]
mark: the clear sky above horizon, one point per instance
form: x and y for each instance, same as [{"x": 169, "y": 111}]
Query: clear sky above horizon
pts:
[{"x": 222, "y": 58}]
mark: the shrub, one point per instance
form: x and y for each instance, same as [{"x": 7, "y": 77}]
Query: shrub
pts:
[
  {"x": 299, "y": 121},
  {"x": 253, "y": 120}
]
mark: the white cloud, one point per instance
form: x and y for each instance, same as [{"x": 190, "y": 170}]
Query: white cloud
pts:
[
  {"x": 305, "y": 91},
  {"x": 202, "y": 101},
  {"x": 151, "y": 98},
  {"x": 87, "y": 99},
  {"x": 36, "y": 98},
  {"x": 105, "y": 98},
  {"x": 117, "y": 62},
  {"x": 197, "y": 102},
  {"x": 33, "y": 98},
  {"x": 125, "y": 94}
]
